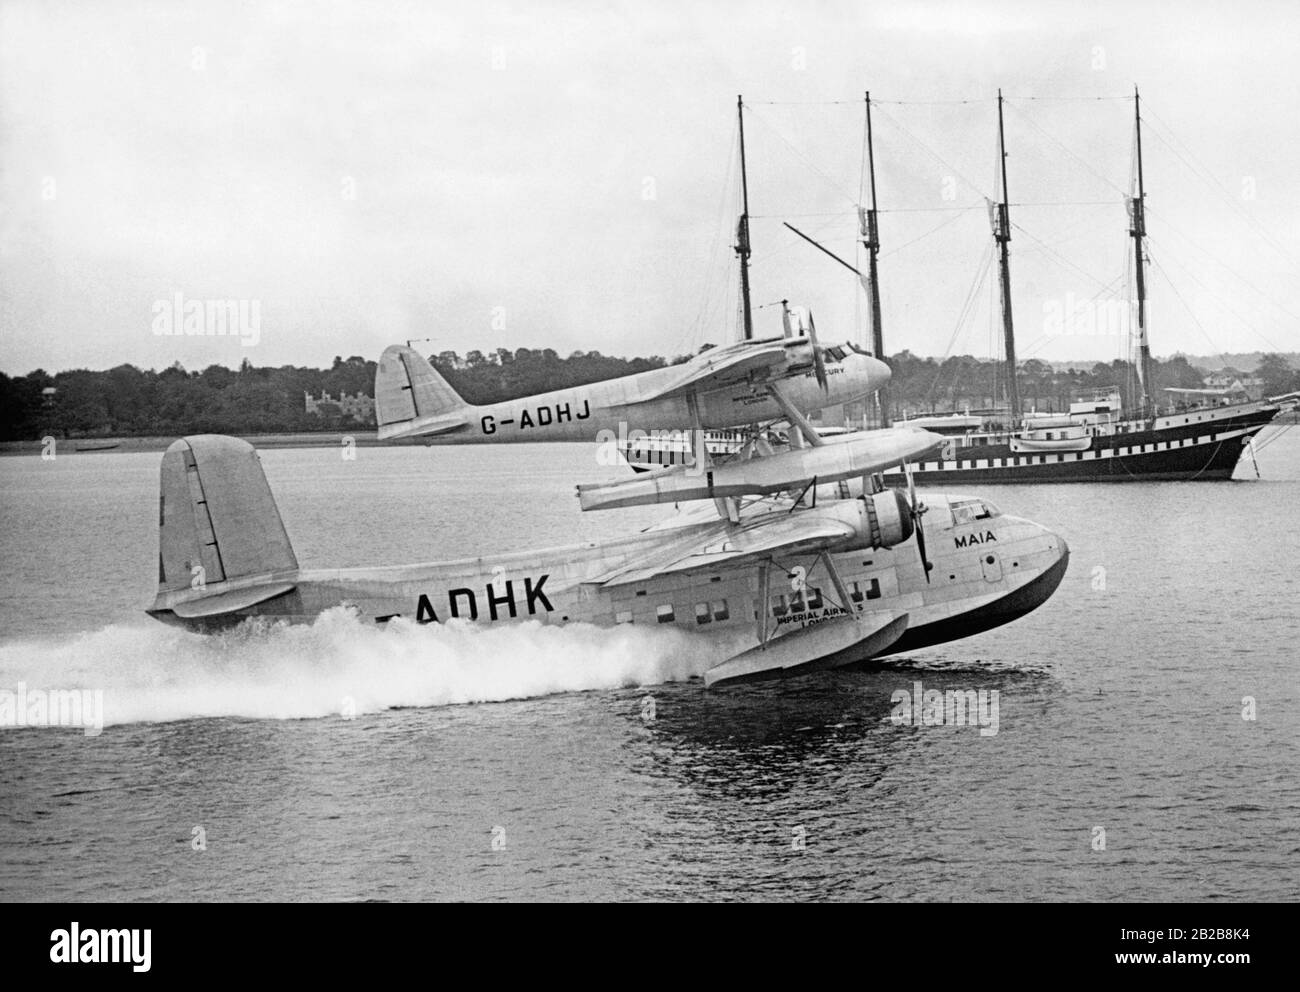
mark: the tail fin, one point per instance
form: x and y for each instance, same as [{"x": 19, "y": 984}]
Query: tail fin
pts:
[
  {"x": 412, "y": 399},
  {"x": 222, "y": 545}
]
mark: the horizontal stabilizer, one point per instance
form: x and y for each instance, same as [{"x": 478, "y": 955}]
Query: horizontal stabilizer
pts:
[
  {"x": 844, "y": 457},
  {"x": 811, "y": 649},
  {"x": 231, "y": 601}
]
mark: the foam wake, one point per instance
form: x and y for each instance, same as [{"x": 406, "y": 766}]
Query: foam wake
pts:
[{"x": 340, "y": 664}]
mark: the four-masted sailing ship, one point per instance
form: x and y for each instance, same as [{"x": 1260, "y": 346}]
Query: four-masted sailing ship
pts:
[{"x": 1097, "y": 440}]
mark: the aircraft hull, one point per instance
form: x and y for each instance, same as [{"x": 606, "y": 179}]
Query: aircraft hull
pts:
[
  {"x": 1001, "y": 611},
  {"x": 966, "y": 594}
]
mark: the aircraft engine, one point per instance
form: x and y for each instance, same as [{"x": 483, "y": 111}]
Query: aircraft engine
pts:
[{"x": 884, "y": 519}]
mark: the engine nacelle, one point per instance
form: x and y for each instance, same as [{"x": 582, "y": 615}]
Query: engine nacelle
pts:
[{"x": 884, "y": 519}]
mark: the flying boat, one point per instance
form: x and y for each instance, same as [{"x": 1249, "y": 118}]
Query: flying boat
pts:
[{"x": 784, "y": 563}]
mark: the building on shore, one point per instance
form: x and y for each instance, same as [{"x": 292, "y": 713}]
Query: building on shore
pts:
[{"x": 358, "y": 406}]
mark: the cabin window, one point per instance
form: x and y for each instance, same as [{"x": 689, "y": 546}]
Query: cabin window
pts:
[
  {"x": 814, "y": 598},
  {"x": 796, "y": 602},
  {"x": 665, "y": 613},
  {"x": 870, "y": 589},
  {"x": 702, "y": 614},
  {"x": 623, "y": 616},
  {"x": 720, "y": 611},
  {"x": 779, "y": 609}
]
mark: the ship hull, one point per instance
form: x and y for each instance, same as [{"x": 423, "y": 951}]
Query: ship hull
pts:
[
  {"x": 1192, "y": 445},
  {"x": 1193, "y": 450}
]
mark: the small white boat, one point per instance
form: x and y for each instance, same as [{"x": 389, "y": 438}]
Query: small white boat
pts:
[{"x": 1069, "y": 437}]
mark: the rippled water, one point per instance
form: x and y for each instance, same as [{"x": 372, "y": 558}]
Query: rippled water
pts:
[{"x": 1120, "y": 711}]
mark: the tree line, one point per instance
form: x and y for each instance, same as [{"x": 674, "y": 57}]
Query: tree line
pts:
[
  {"x": 126, "y": 401},
  {"x": 129, "y": 402}
]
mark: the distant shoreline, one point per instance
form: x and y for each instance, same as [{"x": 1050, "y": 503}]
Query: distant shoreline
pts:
[
  {"x": 126, "y": 445},
  {"x": 303, "y": 439}
]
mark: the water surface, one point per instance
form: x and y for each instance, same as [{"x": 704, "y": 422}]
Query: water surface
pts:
[{"x": 518, "y": 762}]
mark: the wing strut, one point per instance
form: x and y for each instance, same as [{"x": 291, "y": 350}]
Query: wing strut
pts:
[
  {"x": 797, "y": 419},
  {"x": 837, "y": 581},
  {"x": 728, "y": 506}
]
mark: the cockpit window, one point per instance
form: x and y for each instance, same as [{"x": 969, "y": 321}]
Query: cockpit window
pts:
[
  {"x": 965, "y": 511},
  {"x": 836, "y": 354},
  {"x": 859, "y": 350}
]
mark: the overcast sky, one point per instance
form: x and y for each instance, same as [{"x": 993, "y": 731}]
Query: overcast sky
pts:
[{"x": 563, "y": 175}]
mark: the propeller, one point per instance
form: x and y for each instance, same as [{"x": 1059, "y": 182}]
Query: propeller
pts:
[
  {"x": 819, "y": 366},
  {"x": 918, "y": 508}
]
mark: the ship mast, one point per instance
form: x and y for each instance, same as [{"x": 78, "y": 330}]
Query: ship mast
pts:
[
  {"x": 871, "y": 241},
  {"x": 1002, "y": 235},
  {"x": 1138, "y": 230},
  {"x": 742, "y": 229}
]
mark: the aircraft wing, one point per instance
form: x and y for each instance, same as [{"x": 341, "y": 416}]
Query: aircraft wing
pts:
[
  {"x": 801, "y": 533},
  {"x": 720, "y": 367},
  {"x": 843, "y": 457}
]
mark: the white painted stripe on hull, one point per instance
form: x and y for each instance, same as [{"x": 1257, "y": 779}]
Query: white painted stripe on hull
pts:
[{"x": 1122, "y": 453}]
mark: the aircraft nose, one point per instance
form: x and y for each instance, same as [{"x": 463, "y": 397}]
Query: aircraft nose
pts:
[
  {"x": 1039, "y": 590},
  {"x": 1063, "y": 548},
  {"x": 878, "y": 373}
]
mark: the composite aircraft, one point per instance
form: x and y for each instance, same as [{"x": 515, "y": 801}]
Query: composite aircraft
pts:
[
  {"x": 740, "y": 383},
  {"x": 771, "y": 565}
]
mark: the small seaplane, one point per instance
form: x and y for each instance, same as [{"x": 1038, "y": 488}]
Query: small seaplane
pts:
[
  {"x": 779, "y": 566},
  {"x": 740, "y": 383}
]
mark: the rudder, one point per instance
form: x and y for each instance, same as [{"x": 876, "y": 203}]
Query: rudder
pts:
[
  {"x": 412, "y": 399},
  {"x": 219, "y": 527}
]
